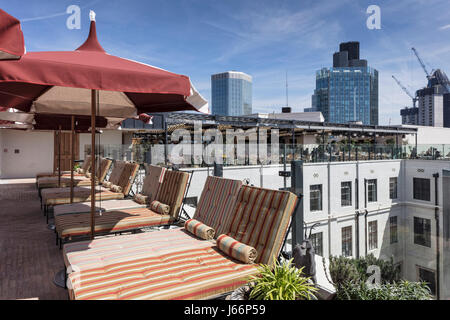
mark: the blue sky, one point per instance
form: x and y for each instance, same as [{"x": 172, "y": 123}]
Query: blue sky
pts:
[{"x": 262, "y": 38}]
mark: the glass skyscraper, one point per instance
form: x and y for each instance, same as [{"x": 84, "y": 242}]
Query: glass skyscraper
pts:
[
  {"x": 231, "y": 93},
  {"x": 348, "y": 91}
]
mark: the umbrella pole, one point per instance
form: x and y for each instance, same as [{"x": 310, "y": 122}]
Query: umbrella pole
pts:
[
  {"x": 59, "y": 156},
  {"x": 94, "y": 97},
  {"x": 72, "y": 155}
]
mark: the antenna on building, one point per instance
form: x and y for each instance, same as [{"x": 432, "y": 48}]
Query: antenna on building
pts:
[{"x": 287, "y": 91}]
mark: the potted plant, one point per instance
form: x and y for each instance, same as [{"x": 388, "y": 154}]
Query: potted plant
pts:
[{"x": 283, "y": 281}]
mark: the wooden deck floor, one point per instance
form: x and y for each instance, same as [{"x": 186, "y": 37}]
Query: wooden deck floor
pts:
[{"x": 29, "y": 258}]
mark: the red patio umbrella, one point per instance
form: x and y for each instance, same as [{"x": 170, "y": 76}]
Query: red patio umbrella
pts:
[
  {"x": 11, "y": 37},
  {"x": 88, "y": 81}
]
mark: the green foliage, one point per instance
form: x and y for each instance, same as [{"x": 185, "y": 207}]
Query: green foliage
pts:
[
  {"x": 282, "y": 282},
  {"x": 389, "y": 271},
  {"x": 349, "y": 277},
  {"x": 76, "y": 166},
  {"x": 402, "y": 290},
  {"x": 343, "y": 270}
]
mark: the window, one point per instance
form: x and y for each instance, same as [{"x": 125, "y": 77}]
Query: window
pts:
[
  {"x": 317, "y": 243},
  {"x": 372, "y": 190},
  {"x": 373, "y": 235},
  {"x": 347, "y": 241},
  {"x": 421, "y": 188},
  {"x": 346, "y": 193},
  {"x": 315, "y": 197},
  {"x": 393, "y": 229},
  {"x": 422, "y": 232},
  {"x": 428, "y": 276},
  {"x": 393, "y": 188}
]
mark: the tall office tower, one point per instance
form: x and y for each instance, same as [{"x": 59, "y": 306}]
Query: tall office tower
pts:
[
  {"x": 349, "y": 90},
  {"x": 231, "y": 93}
]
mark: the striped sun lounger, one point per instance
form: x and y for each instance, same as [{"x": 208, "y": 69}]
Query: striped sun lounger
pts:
[
  {"x": 123, "y": 173},
  {"x": 213, "y": 209},
  {"x": 151, "y": 185},
  {"x": 171, "y": 193},
  {"x": 199, "y": 270},
  {"x": 79, "y": 180},
  {"x": 79, "y": 172}
]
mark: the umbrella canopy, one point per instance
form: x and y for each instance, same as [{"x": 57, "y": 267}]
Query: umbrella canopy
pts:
[
  {"x": 11, "y": 37},
  {"x": 61, "y": 82},
  {"x": 88, "y": 81}
]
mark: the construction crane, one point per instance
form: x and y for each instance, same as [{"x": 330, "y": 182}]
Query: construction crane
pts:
[
  {"x": 414, "y": 99},
  {"x": 421, "y": 63}
]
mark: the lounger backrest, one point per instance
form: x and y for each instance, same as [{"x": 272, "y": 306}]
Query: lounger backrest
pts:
[
  {"x": 116, "y": 172},
  {"x": 172, "y": 191},
  {"x": 104, "y": 166},
  {"x": 261, "y": 218},
  {"x": 216, "y": 202},
  {"x": 127, "y": 176},
  {"x": 86, "y": 164},
  {"x": 153, "y": 181}
]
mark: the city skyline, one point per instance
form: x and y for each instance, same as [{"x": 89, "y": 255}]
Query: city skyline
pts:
[{"x": 264, "y": 40}]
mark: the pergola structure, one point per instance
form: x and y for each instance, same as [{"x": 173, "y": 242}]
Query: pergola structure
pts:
[{"x": 351, "y": 138}]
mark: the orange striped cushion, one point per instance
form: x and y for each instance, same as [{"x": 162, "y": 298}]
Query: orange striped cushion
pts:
[
  {"x": 71, "y": 225},
  {"x": 55, "y": 196},
  {"x": 141, "y": 199},
  {"x": 199, "y": 229},
  {"x": 236, "y": 249},
  {"x": 172, "y": 190},
  {"x": 198, "y": 273},
  {"x": 160, "y": 207},
  {"x": 260, "y": 219},
  {"x": 216, "y": 203}
]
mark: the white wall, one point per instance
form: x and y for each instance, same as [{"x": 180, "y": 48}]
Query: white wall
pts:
[{"x": 35, "y": 153}]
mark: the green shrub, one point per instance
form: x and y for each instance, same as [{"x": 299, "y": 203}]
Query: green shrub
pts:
[
  {"x": 343, "y": 270},
  {"x": 389, "y": 271},
  {"x": 282, "y": 282},
  {"x": 402, "y": 290}
]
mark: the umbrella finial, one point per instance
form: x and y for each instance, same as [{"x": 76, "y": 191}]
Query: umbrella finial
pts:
[
  {"x": 92, "y": 15},
  {"x": 91, "y": 43}
]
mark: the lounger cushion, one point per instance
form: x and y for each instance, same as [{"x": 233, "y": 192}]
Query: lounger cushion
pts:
[
  {"x": 107, "y": 184},
  {"x": 260, "y": 219},
  {"x": 199, "y": 229},
  {"x": 115, "y": 188},
  {"x": 64, "y": 181},
  {"x": 160, "y": 207},
  {"x": 236, "y": 249},
  {"x": 71, "y": 225},
  {"x": 216, "y": 201},
  {"x": 56, "y": 196},
  {"x": 116, "y": 172},
  {"x": 172, "y": 191},
  {"x": 108, "y": 205},
  {"x": 140, "y": 198},
  {"x": 197, "y": 273},
  {"x": 153, "y": 181},
  {"x": 104, "y": 251}
]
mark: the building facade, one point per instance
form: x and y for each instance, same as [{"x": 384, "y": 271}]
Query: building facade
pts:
[
  {"x": 349, "y": 90},
  {"x": 231, "y": 93},
  {"x": 392, "y": 208}
]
